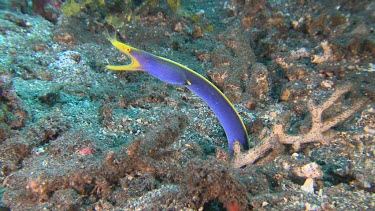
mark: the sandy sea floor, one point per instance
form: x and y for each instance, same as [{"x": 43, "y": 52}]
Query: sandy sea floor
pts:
[{"x": 77, "y": 136}]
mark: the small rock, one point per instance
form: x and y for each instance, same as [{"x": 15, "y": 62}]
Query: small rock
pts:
[
  {"x": 285, "y": 94},
  {"x": 177, "y": 27},
  {"x": 197, "y": 32},
  {"x": 310, "y": 170},
  {"x": 327, "y": 84},
  {"x": 308, "y": 186}
]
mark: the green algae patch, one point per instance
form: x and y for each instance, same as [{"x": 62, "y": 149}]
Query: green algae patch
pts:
[{"x": 70, "y": 7}]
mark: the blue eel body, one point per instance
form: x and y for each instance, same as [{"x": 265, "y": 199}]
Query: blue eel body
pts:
[{"x": 175, "y": 73}]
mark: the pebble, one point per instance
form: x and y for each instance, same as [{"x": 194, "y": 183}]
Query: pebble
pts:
[
  {"x": 308, "y": 186},
  {"x": 310, "y": 170}
]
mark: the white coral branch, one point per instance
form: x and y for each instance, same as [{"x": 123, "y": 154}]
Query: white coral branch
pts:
[{"x": 316, "y": 133}]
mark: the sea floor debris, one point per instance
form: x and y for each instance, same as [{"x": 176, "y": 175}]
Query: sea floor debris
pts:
[{"x": 74, "y": 136}]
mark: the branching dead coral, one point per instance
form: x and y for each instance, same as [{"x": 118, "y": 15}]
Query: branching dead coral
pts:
[{"x": 317, "y": 133}]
